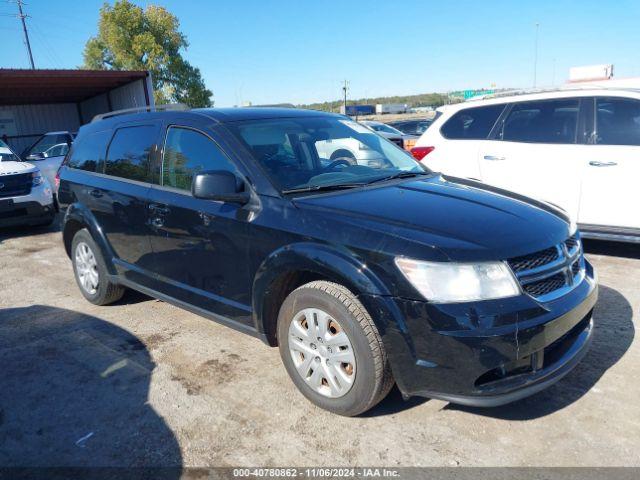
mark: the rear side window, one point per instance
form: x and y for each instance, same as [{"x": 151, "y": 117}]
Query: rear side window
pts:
[
  {"x": 186, "y": 153},
  {"x": 129, "y": 154},
  {"x": 89, "y": 151},
  {"x": 548, "y": 121},
  {"x": 471, "y": 123},
  {"x": 618, "y": 121}
]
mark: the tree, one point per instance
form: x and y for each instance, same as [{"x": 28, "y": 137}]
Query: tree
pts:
[{"x": 130, "y": 38}]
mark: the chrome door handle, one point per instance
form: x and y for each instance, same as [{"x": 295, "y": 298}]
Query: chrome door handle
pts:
[
  {"x": 494, "y": 158},
  {"x": 602, "y": 164}
]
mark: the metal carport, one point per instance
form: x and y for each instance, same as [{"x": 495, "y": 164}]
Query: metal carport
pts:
[{"x": 33, "y": 102}]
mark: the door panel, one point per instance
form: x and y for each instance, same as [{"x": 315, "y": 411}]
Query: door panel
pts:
[
  {"x": 120, "y": 200},
  {"x": 200, "y": 246},
  {"x": 609, "y": 188},
  {"x": 536, "y": 152},
  {"x": 551, "y": 173}
]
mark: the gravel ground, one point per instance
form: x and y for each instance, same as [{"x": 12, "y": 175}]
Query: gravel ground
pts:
[{"x": 143, "y": 383}]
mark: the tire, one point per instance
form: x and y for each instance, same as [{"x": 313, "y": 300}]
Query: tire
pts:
[
  {"x": 356, "y": 387},
  {"x": 101, "y": 291}
]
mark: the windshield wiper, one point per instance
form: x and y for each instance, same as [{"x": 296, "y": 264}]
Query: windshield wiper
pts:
[
  {"x": 399, "y": 175},
  {"x": 324, "y": 188}
]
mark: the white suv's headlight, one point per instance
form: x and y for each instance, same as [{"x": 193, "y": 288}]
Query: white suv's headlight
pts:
[
  {"x": 37, "y": 179},
  {"x": 443, "y": 282}
]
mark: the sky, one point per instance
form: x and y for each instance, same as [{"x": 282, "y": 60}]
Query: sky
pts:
[{"x": 273, "y": 51}]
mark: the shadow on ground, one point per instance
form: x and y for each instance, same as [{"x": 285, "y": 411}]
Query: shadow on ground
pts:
[
  {"x": 73, "y": 393},
  {"x": 612, "y": 337},
  {"x": 29, "y": 231}
]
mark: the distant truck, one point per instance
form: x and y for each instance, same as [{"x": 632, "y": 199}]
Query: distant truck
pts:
[
  {"x": 382, "y": 108},
  {"x": 355, "y": 110}
]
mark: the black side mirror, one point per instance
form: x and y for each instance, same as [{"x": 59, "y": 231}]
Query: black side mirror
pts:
[
  {"x": 220, "y": 185},
  {"x": 36, "y": 156}
]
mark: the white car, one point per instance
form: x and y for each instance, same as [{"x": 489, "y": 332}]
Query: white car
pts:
[
  {"x": 392, "y": 134},
  {"x": 578, "y": 149},
  {"x": 25, "y": 194},
  {"x": 48, "y": 152}
]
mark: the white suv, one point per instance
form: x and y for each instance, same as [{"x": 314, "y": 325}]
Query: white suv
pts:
[
  {"x": 25, "y": 194},
  {"x": 578, "y": 149}
]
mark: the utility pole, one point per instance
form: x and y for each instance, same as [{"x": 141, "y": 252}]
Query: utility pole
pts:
[
  {"x": 345, "y": 87},
  {"x": 535, "y": 58},
  {"x": 26, "y": 35}
]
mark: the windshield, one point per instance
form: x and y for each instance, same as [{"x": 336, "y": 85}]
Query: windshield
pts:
[
  {"x": 6, "y": 155},
  {"x": 321, "y": 152},
  {"x": 54, "y": 145}
]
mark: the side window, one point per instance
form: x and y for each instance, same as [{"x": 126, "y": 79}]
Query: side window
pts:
[
  {"x": 618, "y": 121},
  {"x": 129, "y": 153},
  {"x": 186, "y": 153},
  {"x": 90, "y": 151},
  {"x": 547, "y": 121},
  {"x": 471, "y": 123}
]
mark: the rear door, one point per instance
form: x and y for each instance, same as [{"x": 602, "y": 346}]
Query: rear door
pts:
[
  {"x": 200, "y": 246},
  {"x": 612, "y": 167},
  {"x": 120, "y": 198},
  {"x": 537, "y": 152},
  {"x": 458, "y": 140}
]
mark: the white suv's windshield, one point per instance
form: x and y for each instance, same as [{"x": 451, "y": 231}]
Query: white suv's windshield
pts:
[
  {"x": 6, "y": 155},
  {"x": 315, "y": 153}
]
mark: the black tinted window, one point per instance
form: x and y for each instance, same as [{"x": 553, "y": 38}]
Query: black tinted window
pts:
[
  {"x": 90, "y": 151},
  {"x": 472, "y": 123},
  {"x": 188, "y": 152},
  {"x": 550, "y": 121},
  {"x": 618, "y": 121},
  {"x": 129, "y": 153}
]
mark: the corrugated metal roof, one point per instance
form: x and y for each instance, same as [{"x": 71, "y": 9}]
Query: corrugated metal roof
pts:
[{"x": 20, "y": 87}]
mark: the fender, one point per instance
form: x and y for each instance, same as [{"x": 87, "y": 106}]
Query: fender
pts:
[
  {"x": 77, "y": 212},
  {"x": 337, "y": 264}
]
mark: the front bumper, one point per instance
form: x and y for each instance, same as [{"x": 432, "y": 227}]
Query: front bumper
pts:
[
  {"x": 25, "y": 213},
  {"x": 486, "y": 353}
]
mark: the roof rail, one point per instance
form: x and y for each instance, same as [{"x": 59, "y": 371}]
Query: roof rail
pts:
[
  {"x": 563, "y": 88},
  {"x": 146, "y": 108}
]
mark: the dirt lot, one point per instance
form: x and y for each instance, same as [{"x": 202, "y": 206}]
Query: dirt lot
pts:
[{"x": 145, "y": 383}]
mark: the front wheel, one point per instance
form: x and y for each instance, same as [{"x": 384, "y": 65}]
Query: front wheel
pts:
[{"x": 332, "y": 350}]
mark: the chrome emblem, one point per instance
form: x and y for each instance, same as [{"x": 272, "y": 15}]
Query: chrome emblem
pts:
[{"x": 1, "y": 186}]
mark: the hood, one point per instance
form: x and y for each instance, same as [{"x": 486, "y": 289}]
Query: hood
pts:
[
  {"x": 467, "y": 221},
  {"x": 12, "y": 168}
]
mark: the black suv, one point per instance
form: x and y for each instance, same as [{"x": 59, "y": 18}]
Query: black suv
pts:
[{"x": 364, "y": 269}]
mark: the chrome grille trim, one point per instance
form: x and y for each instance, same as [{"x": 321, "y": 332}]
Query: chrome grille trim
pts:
[{"x": 542, "y": 280}]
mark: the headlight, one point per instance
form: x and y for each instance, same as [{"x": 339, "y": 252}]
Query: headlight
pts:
[
  {"x": 37, "y": 179},
  {"x": 443, "y": 282}
]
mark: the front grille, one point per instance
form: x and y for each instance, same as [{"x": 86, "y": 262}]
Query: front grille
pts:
[
  {"x": 572, "y": 242},
  {"x": 534, "y": 260},
  {"x": 398, "y": 141},
  {"x": 575, "y": 268},
  {"x": 548, "y": 285},
  {"x": 15, "y": 185},
  {"x": 552, "y": 272}
]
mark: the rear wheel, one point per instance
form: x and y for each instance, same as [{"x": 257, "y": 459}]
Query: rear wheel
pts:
[
  {"x": 91, "y": 272},
  {"x": 332, "y": 349}
]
